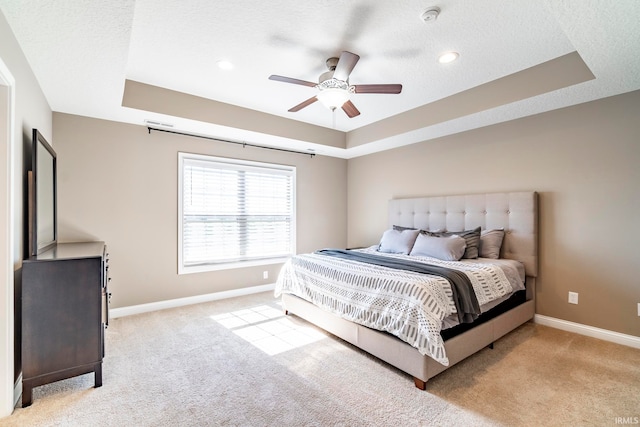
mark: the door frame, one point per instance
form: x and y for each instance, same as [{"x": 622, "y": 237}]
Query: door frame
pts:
[{"x": 7, "y": 253}]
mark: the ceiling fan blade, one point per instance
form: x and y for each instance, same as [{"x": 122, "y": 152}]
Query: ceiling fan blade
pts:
[
  {"x": 346, "y": 63},
  {"x": 391, "y": 88},
  {"x": 291, "y": 80},
  {"x": 350, "y": 109},
  {"x": 303, "y": 104}
]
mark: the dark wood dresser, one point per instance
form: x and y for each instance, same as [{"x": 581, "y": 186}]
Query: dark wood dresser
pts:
[{"x": 65, "y": 309}]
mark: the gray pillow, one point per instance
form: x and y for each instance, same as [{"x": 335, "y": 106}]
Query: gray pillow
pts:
[
  {"x": 490, "y": 243},
  {"x": 401, "y": 228},
  {"x": 471, "y": 237},
  {"x": 445, "y": 248},
  {"x": 398, "y": 242}
]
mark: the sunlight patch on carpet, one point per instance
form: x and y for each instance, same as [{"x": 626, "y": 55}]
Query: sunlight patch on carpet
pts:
[{"x": 269, "y": 329}]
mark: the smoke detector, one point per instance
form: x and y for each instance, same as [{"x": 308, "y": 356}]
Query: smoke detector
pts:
[{"x": 430, "y": 14}]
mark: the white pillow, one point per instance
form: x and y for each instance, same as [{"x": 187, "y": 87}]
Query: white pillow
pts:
[
  {"x": 398, "y": 242},
  {"x": 490, "y": 243},
  {"x": 450, "y": 248}
]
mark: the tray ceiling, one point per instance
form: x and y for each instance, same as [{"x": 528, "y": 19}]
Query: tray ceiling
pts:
[{"x": 131, "y": 61}]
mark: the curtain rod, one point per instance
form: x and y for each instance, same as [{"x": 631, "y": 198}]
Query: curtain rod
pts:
[{"x": 244, "y": 144}]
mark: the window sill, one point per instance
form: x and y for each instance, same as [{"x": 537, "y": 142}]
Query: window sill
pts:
[{"x": 229, "y": 266}]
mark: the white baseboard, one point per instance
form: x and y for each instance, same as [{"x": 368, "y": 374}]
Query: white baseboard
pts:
[
  {"x": 590, "y": 331},
  {"x": 17, "y": 390},
  {"x": 179, "y": 302}
]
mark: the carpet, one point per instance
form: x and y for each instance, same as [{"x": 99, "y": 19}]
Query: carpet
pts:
[{"x": 241, "y": 362}]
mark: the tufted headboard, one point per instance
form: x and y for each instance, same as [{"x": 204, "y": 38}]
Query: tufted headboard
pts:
[{"x": 517, "y": 213}]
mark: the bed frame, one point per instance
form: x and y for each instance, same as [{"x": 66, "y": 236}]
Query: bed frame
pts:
[{"x": 517, "y": 213}]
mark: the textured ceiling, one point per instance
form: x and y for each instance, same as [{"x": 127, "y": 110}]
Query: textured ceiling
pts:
[{"x": 83, "y": 52}]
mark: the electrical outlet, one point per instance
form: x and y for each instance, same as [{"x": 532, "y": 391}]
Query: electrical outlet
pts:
[
  {"x": 265, "y": 274},
  {"x": 639, "y": 309},
  {"x": 573, "y": 297}
]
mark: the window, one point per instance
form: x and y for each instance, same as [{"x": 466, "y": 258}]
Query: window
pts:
[{"x": 233, "y": 213}]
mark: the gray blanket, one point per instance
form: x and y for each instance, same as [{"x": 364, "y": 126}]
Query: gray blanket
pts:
[{"x": 464, "y": 296}]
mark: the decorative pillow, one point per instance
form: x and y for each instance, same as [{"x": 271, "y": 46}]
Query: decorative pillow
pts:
[
  {"x": 401, "y": 228},
  {"x": 398, "y": 242},
  {"x": 490, "y": 243},
  {"x": 471, "y": 237},
  {"x": 445, "y": 248}
]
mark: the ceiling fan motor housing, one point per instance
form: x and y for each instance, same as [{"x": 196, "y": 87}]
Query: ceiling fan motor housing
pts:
[
  {"x": 327, "y": 75},
  {"x": 331, "y": 65}
]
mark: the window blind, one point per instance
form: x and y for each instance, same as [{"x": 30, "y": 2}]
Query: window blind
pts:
[{"x": 235, "y": 211}]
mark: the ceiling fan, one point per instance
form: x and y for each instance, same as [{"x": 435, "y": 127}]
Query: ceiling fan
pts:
[{"x": 334, "y": 89}]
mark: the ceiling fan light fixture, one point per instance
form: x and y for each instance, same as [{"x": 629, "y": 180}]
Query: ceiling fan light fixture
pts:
[
  {"x": 447, "y": 57},
  {"x": 333, "y": 98},
  {"x": 334, "y": 93}
]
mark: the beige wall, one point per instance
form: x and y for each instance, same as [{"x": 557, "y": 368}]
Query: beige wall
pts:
[
  {"x": 583, "y": 160},
  {"x": 118, "y": 183}
]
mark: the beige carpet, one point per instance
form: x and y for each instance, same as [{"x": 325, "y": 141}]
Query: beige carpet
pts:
[{"x": 196, "y": 366}]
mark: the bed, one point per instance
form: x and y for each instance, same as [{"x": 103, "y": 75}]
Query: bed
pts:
[{"x": 514, "y": 213}]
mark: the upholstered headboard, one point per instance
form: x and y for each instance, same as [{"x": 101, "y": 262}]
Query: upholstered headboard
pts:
[{"x": 517, "y": 213}]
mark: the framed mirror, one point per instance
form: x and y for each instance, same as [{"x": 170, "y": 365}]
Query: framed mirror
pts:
[{"x": 42, "y": 196}]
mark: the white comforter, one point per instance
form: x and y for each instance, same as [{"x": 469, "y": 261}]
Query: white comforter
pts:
[{"x": 411, "y": 306}]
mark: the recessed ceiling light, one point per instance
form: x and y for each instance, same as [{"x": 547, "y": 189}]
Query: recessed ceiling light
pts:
[
  {"x": 223, "y": 64},
  {"x": 448, "y": 57}
]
